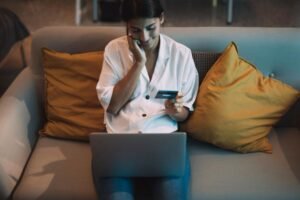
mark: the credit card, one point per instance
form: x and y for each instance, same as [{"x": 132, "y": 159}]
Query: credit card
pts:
[{"x": 166, "y": 94}]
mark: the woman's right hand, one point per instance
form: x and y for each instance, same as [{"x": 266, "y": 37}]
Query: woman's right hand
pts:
[{"x": 138, "y": 52}]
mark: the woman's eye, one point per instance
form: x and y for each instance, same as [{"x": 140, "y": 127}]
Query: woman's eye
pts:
[
  {"x": 151, "y": 28},
  {"x": 134, "y": 31}
]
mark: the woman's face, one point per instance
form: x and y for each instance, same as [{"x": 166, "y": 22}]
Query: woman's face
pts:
[{"x": 146, "y": 31}]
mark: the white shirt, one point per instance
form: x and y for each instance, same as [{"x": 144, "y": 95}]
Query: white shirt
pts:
[{"x": 174, "y": 70}]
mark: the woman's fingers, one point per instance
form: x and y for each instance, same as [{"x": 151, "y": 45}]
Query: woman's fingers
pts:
[
  {"x": 168, "y": 104},
  {"x": 178, "y": 106},
  {"x": 179, "y": 100},
  {"x": 137, "y": 51},
  {"x": 175, "y": 105}
]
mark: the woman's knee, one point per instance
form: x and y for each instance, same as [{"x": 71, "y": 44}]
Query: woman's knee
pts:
[{"x": 115, "y": 189}]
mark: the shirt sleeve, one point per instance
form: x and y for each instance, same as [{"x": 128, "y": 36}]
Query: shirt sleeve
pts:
[
  {"x": 190, "y": 82},
  {"x": 108, "y": 77}
]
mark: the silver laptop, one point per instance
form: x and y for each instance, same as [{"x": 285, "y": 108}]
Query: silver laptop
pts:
[{"x": 138, "y": 155}]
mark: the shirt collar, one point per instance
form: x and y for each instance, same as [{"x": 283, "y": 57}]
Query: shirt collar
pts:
[{"x": 164, "y": 49}]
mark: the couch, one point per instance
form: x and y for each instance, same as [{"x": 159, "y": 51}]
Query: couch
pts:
[{"x": 38, "y": 167}]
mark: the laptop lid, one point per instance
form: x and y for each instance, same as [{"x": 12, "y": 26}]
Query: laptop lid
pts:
[{"x": 138, "y": 155}]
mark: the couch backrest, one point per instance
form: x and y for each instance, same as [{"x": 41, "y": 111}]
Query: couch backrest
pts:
[{"x": 275, "y": 51}]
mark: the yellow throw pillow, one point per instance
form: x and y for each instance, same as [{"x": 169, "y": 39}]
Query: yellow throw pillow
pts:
[
  {"x": 237, "y": 106},
  {"x": 71, "y": 104}
]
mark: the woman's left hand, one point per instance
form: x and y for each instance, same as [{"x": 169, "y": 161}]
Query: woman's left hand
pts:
[{"x": 174, "y": 106}]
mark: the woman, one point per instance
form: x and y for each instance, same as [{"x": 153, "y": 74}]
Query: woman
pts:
[{"x": 135, "y": 68}]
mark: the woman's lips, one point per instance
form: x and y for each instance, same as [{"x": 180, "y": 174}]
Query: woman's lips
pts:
[{"x": 145, "y": 44}]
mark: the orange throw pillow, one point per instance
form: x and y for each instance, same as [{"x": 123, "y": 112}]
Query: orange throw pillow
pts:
[
  {"x": 71, "y": 103},
  {"x": 237, "y": 105}
]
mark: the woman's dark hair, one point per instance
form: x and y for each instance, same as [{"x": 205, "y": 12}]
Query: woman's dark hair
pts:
[{"x": 131, "y": 9}]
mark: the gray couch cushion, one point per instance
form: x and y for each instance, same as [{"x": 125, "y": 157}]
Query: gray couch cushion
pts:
[
  {"x": 58, "y": 169},
  {"x": 220, "y": 174},
  {"x": 19, "y": 117},
  {"x": 204, "y": 61}
]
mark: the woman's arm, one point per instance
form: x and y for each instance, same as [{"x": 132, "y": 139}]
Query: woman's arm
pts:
[
  {"x": 180, "y": 107},
  {"x": 124, "y": 88}
]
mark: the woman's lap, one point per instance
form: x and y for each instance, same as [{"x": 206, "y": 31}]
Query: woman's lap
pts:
[
  {"x": 162, "y": 188},
  {"x": 115, "y": 188}
]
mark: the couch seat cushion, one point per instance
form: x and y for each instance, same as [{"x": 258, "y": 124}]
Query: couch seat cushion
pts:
[
  {"x": 58, "y": 169},
  {"x": 221, "y": 174}
]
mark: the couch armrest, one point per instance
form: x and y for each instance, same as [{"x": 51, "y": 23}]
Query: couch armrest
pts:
[{"x": 20, "y": 120}]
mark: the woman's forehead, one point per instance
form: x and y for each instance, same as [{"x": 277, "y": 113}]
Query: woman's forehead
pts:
[{"x": 142, "y": 22}]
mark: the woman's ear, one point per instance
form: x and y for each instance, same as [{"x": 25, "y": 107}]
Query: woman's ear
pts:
[{"x": 162, "y": 18}]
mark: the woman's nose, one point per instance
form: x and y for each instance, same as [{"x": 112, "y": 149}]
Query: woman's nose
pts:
[{"x": 144, "y": 36}]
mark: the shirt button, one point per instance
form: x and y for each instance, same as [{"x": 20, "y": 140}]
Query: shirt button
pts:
[
  {"x": 147, "y": 97},
  {"x": 144, "y": 115}
]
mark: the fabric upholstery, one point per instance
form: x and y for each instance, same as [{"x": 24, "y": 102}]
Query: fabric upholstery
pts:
[
  {"x": 58, "y": 169},
  {"x": 279, "y": 44},
  {"x": 236, "y": 105},
  {"x": 72, "y": 107},
  {"x": 220, "y": 174},
  {"x": 20, "y": 119},
  {"x": 204, "y": 61},
  {"x": 216, "y": 173}
]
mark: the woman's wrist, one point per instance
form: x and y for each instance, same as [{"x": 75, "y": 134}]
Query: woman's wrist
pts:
[
  {"x": 140, "y": 63},
  {"x": 178, "y": 116}
]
